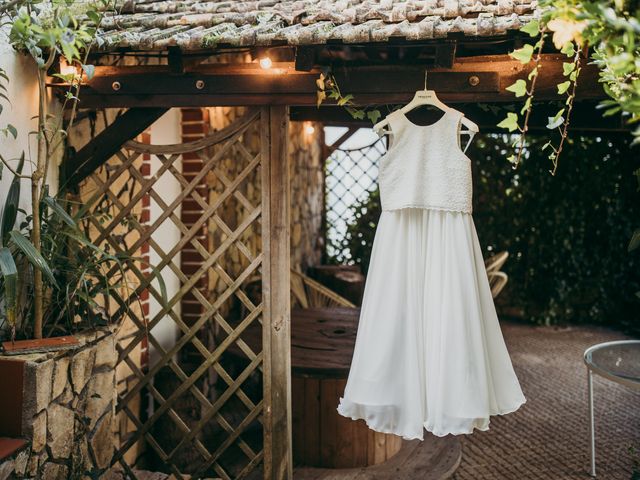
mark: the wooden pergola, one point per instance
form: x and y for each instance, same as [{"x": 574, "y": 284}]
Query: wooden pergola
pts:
[{"x": 377, "y": 51}]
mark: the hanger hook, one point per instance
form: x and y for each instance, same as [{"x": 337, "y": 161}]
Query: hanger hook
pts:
[{"x": 425, "y": 78}]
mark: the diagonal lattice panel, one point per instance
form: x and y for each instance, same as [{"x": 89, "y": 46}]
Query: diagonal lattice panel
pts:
[
  {"x": 351, "y": 174},
  {"x": 189, "y": 428}
]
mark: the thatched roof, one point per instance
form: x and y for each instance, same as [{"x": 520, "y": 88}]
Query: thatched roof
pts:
[{"x": 196, "y": 24}]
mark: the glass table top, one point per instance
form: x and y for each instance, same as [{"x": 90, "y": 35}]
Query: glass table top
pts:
[{"x": 619, "y": 359}]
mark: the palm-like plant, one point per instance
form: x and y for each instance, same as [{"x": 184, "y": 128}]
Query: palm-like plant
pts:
[{"x": 52, "y": 274}]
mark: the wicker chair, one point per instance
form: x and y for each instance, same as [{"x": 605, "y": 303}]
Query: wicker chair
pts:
[
  {"x": 308, "y": 293},
  {"x": 497, "y": 279},
  {"x": 305, "y": 293}
]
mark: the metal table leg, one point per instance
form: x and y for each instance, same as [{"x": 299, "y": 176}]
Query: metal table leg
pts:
[{"x": 591, "y": 422}]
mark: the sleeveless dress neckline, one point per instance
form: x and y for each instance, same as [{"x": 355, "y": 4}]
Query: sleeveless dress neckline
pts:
[
  {"x": 406, "y": 119},
  {"x": 429, "y": 353}
]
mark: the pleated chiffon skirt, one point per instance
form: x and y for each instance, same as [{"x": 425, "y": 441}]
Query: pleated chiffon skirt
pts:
[{"x": 429, "y": 351}]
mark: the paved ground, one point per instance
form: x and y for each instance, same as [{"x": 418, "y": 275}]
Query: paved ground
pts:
[{"x": 548, "y": 437}]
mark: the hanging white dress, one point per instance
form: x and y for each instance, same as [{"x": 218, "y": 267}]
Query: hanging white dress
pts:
[{"x": 429, "y": 352}]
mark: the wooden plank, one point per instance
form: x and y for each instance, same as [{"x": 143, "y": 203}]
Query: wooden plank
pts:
[
  {"x": 276, "y": 281},
  {"x": 312, "y": 410},
  {"x": 328, "y": 423},
  {"x": 346, "y": 428},
  {"x": 246, "y": 84},
  {"x": 298, "y": 418},
  {"x": 104, "y": 145}
]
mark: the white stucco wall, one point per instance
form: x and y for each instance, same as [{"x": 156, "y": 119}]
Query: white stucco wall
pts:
[
  {"x": 22, "y": 90},
  {"x": 165, "y": 130}
]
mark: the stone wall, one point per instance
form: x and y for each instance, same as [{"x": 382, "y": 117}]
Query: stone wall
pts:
[{"x": 68, "y": 410}]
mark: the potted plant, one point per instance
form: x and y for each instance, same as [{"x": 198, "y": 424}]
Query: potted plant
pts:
[{"x": 59, "y": 350}]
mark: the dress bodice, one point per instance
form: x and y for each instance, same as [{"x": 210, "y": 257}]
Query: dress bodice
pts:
[{"x": 425, "y": 166}]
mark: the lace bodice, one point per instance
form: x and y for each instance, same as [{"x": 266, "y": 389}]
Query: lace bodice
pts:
[{"x": 425, "y": 166}]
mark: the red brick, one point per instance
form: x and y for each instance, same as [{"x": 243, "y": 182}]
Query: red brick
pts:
[
  {"x": 191, "y": 114},
  {"x": 193, "y": 129}
]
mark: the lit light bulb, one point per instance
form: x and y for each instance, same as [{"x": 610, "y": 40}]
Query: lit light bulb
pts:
[
  {"x": 309, "y": 128},
  {"x": 66, "y": 69},
  {"x": 265, "y": 63}
]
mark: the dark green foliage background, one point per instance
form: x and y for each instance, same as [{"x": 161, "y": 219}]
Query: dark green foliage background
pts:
[{"x": 567, "y": 234}]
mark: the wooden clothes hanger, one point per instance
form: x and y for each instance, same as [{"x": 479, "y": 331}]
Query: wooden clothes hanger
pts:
[{"x": 428, "y": 97}]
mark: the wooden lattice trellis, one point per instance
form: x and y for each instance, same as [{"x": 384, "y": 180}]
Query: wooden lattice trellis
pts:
[{"x": 237, "y": 426}]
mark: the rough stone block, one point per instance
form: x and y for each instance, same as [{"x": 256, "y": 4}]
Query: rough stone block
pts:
[
  {"x": 35, "y": 461},
  {"x": 37, "y": 388},
  {"x": 54, "y": 471},
  {"x": 22, "y": 459},
  {"x": 60, "y": 377},
  {"x": 61, "y": 421},
  {"x": 81, "y": 367},
  {"x": 101, "y": 441},
  {"x": 106, "y": 354},
  {"x": 102, "y": 388},
  {"x": 66, "y": 396},
  {"x": 6, "y": 468},
  {"x": 39, "y": 432}
]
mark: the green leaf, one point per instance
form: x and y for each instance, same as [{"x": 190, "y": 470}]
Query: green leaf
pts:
[
  {"x": 563, "y": 87},
  {"x": 157, "y": 275},
  {"x": 635, "y": 241},
  {"x": 12, "y": 130},
  {"x": 355, "y": 113},
  {"x": 567, "y": 68},
  {"x": 532, "y": 73},
  {"x": 555, "y": 121},
  {"x": 374, "y": 116},
  {"x": 59, "y": 211},
  {"x": 34, "y": 257},
  {"x": 532, "y": 28},
  {"x": 519, "y": 88},
  {"x": 510, "y": 123},
  {"x": 94, "y": 16},
  {"x": 65, "y": 77},
  {"x": 568, "y": 49},
  {"x": 10, "y": 275},
  {"x": 11, "y": 205},
  {"x": 344, "y": 100},
  {"x": 90, "y": 70},
  {"x": 611, "y": 111},
  {"x": 526, "y": 106},
  {"x": 523, "y": 55}
]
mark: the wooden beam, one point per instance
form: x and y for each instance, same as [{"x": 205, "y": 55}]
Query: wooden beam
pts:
[
  {"x": 585, "y": 117},
  {"x": 305, "y": 58},
  {"x": 343, "y": 138},
  {"x": 100, "y": 148},
  {"x": 276, "y": 330},
  {"x": 174, "y": 57},
  {"x": 470, "y": 79},
  {"x": 446, "y": 54}
]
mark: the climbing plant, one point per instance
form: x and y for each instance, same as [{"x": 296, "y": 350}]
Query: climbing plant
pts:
[{"x": 604, "y": 33}]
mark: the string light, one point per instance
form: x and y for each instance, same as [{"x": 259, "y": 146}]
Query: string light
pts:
[
  {"x": 309, "y": 128},
  {"x": 265, "y": 63}
]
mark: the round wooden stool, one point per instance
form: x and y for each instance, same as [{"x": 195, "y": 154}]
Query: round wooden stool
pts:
[{"x": 322, "y": 342}]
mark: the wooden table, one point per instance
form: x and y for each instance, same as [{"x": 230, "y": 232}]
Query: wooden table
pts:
[{"x": 322, "y": 342}]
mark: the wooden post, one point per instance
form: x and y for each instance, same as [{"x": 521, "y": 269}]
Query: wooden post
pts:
[{"x": 276, "y": 344}]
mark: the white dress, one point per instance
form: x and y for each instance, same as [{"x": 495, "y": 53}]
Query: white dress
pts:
[{"x": 429, "y": 352}]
